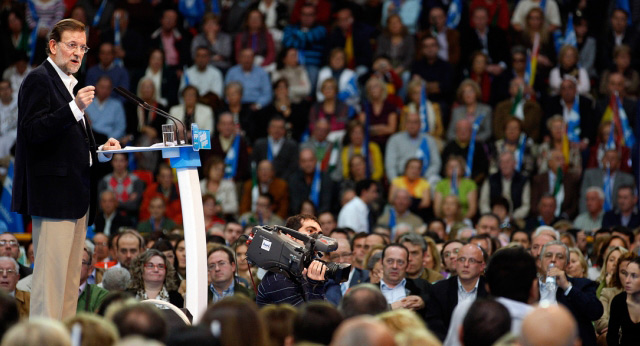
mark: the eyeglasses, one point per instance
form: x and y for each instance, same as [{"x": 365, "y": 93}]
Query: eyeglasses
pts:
[
  {"x": 7, "y": 271},
  {"x": 150, "y": 265},
  {"x": 102, "y": 244},
  {"x": 8, "y": 242},
  {"x": 213, "y": 266},
  {"x": 391, "y": 261},
  {"x": 73, "y": 46},
  {"x": 464, "y": 260}
]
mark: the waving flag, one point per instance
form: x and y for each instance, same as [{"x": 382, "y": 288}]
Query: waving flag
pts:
[
  {"x": 117, "y": 36},
  {"x": 9, "y": 221},
  {"x": 454, "y": 182},
  {"x": 350, "y": 90},
  {"x": 96, "y": 18},
  {"x": 423, "y": 110},
  {"x": 231, "y": 159},
  {"x": 314, "y": 194},
  {"x": 532, "y": 61},
  {"x": 392, "y": 218},
  {"x": 618, "y": 116},
  {"x": 521, "y": 148},
  {"x": 424, "y": 154},
  {"x": 472, "y": 145},
  {"x": 269, "y": 151},
  {"x": 570, "y": 33},
  {"x": 627, "y": 133},
  {"x": 454, "y": 14},
  {"x": 608, "y": 205},
  {"x": 611, "y": 141},
  {"x": 573, "y": 121},
  {"x": 517, "y": 109}
]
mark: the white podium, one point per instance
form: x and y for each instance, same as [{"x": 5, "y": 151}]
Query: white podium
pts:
[{"x": 186, "y": 161}]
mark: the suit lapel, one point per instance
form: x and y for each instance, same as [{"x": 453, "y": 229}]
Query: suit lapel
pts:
[{"x": 57, "y": 81}]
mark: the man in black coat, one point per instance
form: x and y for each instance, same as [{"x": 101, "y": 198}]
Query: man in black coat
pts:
[
  {"x": 109, "y": 220},
  {"x": 55, "y": 157},
  {"x": 577, "y": 295},
  {"x": 281, "y": 151},
  {"x": 468, "y": 284},
  {"x": 489, "y": 40},
  {"x": 625, "y": 214},
  {"x": 301, "y": 184},
  {"x": 562, "y": 104}
]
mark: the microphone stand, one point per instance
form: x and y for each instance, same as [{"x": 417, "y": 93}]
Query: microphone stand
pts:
[{"x": 144, "y": 105}]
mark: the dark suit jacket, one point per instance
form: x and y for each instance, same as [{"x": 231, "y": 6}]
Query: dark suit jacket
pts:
[
  {"x": 496, "y": 38},
  {"x": 52, "y": 174},
  {"x": 584, "y": 306},
  {"x": 243, "y": 172},
  {"x": 362, "y": 35},
  {"x": 117, "y": 222},
  {"x": 588, "y": 128},
  {"x": 595, "y": 177},
  {"x": 421, "y": 288},
  {"x": 570, "y": 182},
  {"x": 613, "y": 218},
  {"x": 299, "y": 191},
  {"x": 285, "y": 163},
  {"x": 444, "y": 298}
]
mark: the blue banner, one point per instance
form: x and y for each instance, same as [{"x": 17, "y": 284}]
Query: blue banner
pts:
[
  {"x": 9, "y": 221},
  {"x": 454, "y": 182},
  {"x": 521, "y": 148},
  {"x": 424, "y": 154},
  {"x": 392, "y": 218},
  {"x": 454, "y": 14},
  {"x": 472, "y": 145},
  {"x": 350, "y": 90},
  {"x": 269, "y": 151},
  {"x": 231, "y": 159},
  {"x": 96, "y": 18},
  {"x": 570, "y": 33},
  {"x": 573, "y": 122},
  {"x": 607, "y": 190},
  {"x": 314, "y": 195},
  {"x": 423, "y": 110}
]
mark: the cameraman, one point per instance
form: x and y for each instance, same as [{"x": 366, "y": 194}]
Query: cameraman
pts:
[{"x": 278, "y": 289}]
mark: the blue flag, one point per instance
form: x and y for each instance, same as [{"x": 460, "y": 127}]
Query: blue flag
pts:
[
  {"x": 624, "y": 5},
  {"x": 454, "y": 14},
  {"x": 454, "y": 182},
  {"x": 9, "y": 221},
  {"x": 423, "y": 110},
  {"x": 521, "y": 149},
  {"x": 96, "y": 18},
  {"x": 543, "y": 5},
  {"x": 573, "y": 121},
  {"x": 611, "y": 141},
  {"x": 269, "y": 151},
  {"x": 472, "y": 145},
  {"x": 608, "y": 205},
  {"x": 186, "y": 76},
  {"x": 350, "y": 90},
  {"x": 627, "y": 132},
  {"x": 314, "y": 194},
  {"x": 215, "y": 7},
  {"x": 424, "y": 154},
  {"x": 570, "y": 33},
  {"x": 392, "y": 218},
  {"x": 117, "y": 37},
  {"x": 33, "y": 38},
  {"x": 231, "y": 160}
]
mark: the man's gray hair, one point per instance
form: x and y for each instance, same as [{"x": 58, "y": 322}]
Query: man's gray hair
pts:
[
  {"x": 597, "y": 189},
  {"x": 116, "y": 279},
  {"x": 15, "y": 263},
  {"x": 414, "y": 239},
  {"x": 546, "y": 230},
  {"x": 555, "y": 242}
]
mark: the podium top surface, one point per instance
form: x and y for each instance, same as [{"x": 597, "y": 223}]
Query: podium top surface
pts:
[{"x": 132, "y": 149}]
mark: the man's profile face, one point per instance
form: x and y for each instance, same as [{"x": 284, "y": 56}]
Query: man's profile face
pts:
[
  {"x": 8, "y": 276},
  {"x": 416, "y": 257},
  {"x": 538, "y": 243},
  {"x": 394, "y": 265},
  {"x": 128, "y": 249},
  {"x": 9, "y": 245},
  {"x": 65, "y": 58},
  {"x": 224, "y": 270},
  {"x": 86, "y": 268}
]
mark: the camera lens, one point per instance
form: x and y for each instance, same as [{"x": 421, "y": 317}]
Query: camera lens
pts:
[{"x": 339, "y": 272}]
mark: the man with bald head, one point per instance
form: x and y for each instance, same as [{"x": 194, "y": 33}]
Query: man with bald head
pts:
[
  {"x": 562, "y": 187},
  {"x": 362, "y": 331},
  {"x": 550, "y": 325},
  {"x": 118, "y": 75},
  {"x": 398, "y": 212},
  {"x": 460, "y": 147},
  {"x": 469, "y": 284},
  {"x": 301, "y": 184},
  {"x": 267, "y": 183}
]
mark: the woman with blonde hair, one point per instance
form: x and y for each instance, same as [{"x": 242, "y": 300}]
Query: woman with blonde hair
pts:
[
  {"x": 609, "y": 267},
  {"x": 470, "y": 108},
  {"x": 382, "y": 114},
  {"x": 577, "y": 267},
  {"x": 434, "y": 114}
]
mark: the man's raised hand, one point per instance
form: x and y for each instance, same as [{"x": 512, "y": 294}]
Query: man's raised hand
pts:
[{"x": 85, "y": 97}]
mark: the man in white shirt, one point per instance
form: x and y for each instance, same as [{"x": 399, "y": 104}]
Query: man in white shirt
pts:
[
  {"x": 202, "y": 75},
  {"x": 8, "y": 118},
  {"x": 355, "y": 214}
]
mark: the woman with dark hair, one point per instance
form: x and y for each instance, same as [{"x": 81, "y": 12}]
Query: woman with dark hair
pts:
[
  {"x": 293, "y": 113},
  {"x": 237, "y": 322},
  {"x": 256, "y": 36},
  {"x": 617, "y": 286},
  {"x": 296, "y": 75},
  {"x": 218, "y": 42},
  {"x": 396, "y": 42},
  {"x": 153, "y": 277},
  {"x": 624, "y": 320},
  {"x": 330, "y": 107}
]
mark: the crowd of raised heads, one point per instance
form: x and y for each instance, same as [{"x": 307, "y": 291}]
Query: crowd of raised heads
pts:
[{"x": 481, "y": 155}]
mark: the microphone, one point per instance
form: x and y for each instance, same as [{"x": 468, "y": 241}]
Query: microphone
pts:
[{"x": 144, "y": 105}]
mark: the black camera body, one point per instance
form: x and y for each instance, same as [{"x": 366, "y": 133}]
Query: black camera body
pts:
[{"x": 272, "y": 248}]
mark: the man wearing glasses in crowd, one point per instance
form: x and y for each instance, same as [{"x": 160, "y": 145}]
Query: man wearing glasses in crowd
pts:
[
  {"x": 10, "y": 247},
  {"x": 221, "y": 266},
  {"x": 55, "y": 154}
]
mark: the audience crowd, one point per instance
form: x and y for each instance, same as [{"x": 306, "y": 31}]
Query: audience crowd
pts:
[{"x": 475, "y": 160}]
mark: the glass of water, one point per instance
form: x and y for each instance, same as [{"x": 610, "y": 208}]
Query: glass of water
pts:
[{"x": 168, "y": 135}]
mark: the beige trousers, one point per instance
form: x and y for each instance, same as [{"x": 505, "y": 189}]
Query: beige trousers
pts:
[{"x": 58, "y": 245}]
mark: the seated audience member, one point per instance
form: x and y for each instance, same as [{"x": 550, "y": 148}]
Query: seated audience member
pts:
[
  {"x": 217, "y": 42},
  {"x": 437, "y": 73},
  {"x": 116, "y": 280},
  {"x": 434, "y": 114},
  {"x": 577, "y": 295},
  {"x": 519, "y": 189},
  {"x": 255, "y": 30},
  {"x": 363, "y": 330},
  {"x": 353, "y": 144},
  {"x": 255, "y": 82},
  {"x": 101, "y": 331},
  {"x": 596, "y": 177},
  {"x": 352, "y": 214},
  {"x": 128, "y": 245},
  {"x": 243, "y": 115},
  {"x": 10, "y": 247},
  {"x": 484, "y": 35},
  {"x": 534, "y": 26},
  {"x": 172, "y": 40},
  {"x": 551, "y": 13},
  {"x": 168, "y": 190},
  {"x": 402, "y": 292},
  {"x": 398, "y": 44},
  {"x": 153, "y": 277},
  {"x": 91, "y": 295},
  {"x": 223, "y": 144},
  {"x": 283, "y": 106},
  {"x": 563, "y": 104},
  {"x": 516, "y": 141},
  {"x": 545, "y": 213},
  {"x": 118, "y": 75},
  {"x": 609, "y": 267},
  {"x": 464, "y": 188},
  {"x": 618, "y": 32},
  {"x": 558, "y": 183},
  {"x": 493, "y": 89},
  {"x": 8, "y": 280},
  {"x": 264, "y": 214},
  {"x": 449, "y": 254},
  {"x": 164, "y": 78},
  {"x": 378, "y": 112},
  {"x": 223, "y": 188},
  {"x": 354, "y": 37},
  {"x": 36, "y": 332},
  {"x": 470, "y": 108},
  {"x": 621, "y": 65},
  {"x": 266, "y": 183},
  {"x": 398, "y": 212},
  {"x": 528, "y": 111},
  {"x": 448, "y": 38},
  {"x": 521, "y": 237},
  {"x": 597, "y": 150},
  {"x": 591, "y": 219},
  {"x": 294, "y": 73},
  {"x": 203, "y": 74},
  {"x": 615, "y": 85},
  {"x": 221, "y": 266},
  {"x": 511, "y": 278},
  {"x": 158, "y": 220},
  {"x": 190, "y": 111},
  {"x": 577, "y": 267},
  {"x": 142, "y": 320},
  {"x": 485, "y": 323},
  {"x": 9, "y": 115},
  {"x": 109, "y": 221},
  {"x": 107, "y": 114},
  {"x": 461, "y": 146},
  {"x": 550, "y": 325},
  {"x": 568, "y": 66},
  {"x": 278, "y": 149},
  {"x": 302, "y": 184},
  {"x": 419, "y": 254},
  {"x": 243, "y": 271},
  {"x": 316, "y": 323},
  {"x": 626, "y": 214},
  {"x": 618, "y": 281},
  {"x": 343, "y": 92},
  {"x": 210, "y": 210},
  {"x": 127, "y": 186},
  {"x": 586, "y": 44},
  {"x": 417, "y": 187},
  {"x": 412, "y": 143},
  {"x": 363, "y": 299},
  {"x": 232, "y": 232},
  {"x": 622, "y": 330}
]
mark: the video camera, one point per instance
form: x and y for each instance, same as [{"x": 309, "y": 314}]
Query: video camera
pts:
[{"x": 271, "y": 249}]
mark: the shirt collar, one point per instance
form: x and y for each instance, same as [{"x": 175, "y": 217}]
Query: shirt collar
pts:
[
  {"x": 462, "y": 290},
  {"x": 384, "y": 286},
  {"x": 68, "y": 80},
  {"x": 226, "y": 292}
]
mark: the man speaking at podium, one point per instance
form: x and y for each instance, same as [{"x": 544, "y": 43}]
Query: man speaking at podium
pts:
[{"x": 55, "y": 155}]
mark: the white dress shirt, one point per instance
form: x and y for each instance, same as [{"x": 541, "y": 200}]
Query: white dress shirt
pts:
[{"x": 355, "y": 215}]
